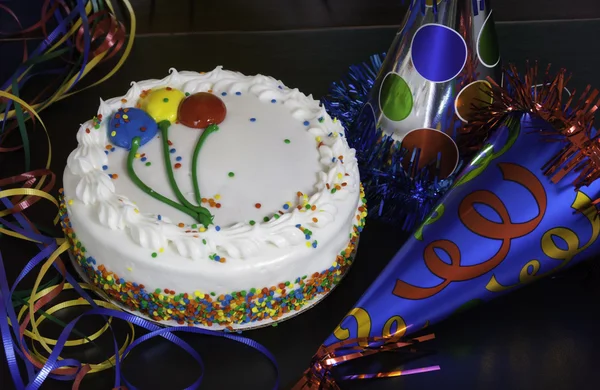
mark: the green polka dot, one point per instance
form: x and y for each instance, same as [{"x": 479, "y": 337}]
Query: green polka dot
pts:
[
  {"x": 231, "y": 174},
  {"x": 148, "y": 163},
  {"x": 251, "y": 223},
  {"x": 154, "y": 254},
  {"x": 487, "y": 44},
  {"x": 395, "y": 98},
  {"x": 166, "y": 100},
  {"x": 266, "y": 219},
  {"x": 287, "y": 141}
]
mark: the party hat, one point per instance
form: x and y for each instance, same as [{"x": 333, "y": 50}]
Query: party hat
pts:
[
  {"x": 433, "y": 77},
  {"x": 523, "y": 209}
]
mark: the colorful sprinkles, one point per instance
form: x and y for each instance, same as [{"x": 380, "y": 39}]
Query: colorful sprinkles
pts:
[{"x": 208, "y": 309}]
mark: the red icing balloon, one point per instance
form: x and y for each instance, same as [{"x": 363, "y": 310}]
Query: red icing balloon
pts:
[{"x": 201, "y": 109}]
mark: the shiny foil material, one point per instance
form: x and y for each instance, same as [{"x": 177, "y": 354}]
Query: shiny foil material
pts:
[
  {"x": 433, "y": 77},
  {"x": 502, "y": 225}
]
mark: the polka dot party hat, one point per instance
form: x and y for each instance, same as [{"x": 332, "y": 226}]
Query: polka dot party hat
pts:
[{"x": 432, "y": 80}]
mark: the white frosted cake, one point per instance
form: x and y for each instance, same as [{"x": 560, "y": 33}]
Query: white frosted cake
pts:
[{"x": 213, "y": 199}]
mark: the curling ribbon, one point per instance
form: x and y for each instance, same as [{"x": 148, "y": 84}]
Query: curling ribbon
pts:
[
  {"x": 40, "y": 367},
  {"x": 319, "y": 376},
  {"x": 14, "y": 327}
]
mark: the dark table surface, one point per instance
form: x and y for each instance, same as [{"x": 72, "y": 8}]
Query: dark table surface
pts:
[{"x": 541, "y": 337}]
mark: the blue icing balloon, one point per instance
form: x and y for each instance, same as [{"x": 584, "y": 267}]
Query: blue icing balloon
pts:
[
  {"x": 438, "y": 52},
  {"x": 128, "y": 123}
]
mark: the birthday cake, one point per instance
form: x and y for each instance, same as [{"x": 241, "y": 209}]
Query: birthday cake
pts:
[{"x": 212, "y": 199}]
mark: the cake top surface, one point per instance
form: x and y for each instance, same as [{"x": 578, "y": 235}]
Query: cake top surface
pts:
[{"x": 275, "y": 165}]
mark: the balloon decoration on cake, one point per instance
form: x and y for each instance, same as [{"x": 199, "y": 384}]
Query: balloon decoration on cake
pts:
[
  {"x": 404, "y": 115},
  {"x": 524, "y": 208},
  {"x": 131, "y": 128}
]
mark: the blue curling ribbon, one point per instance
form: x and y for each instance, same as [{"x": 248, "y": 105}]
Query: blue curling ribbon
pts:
[
  {"x": 37, "y": 377},
  {"x": 403, "y": 197},
  {"x": 86, "y": 37}
]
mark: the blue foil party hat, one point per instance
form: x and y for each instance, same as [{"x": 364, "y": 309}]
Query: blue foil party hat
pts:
[{"x": 522, "y": 209}]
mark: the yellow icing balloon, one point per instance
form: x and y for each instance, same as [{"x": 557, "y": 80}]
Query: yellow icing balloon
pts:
[{"x": 162, "y": 104}]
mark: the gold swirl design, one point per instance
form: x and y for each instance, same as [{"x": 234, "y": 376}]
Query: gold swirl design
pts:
[
  {"x": 363, "y": 326},
  {"x": 400, "y": 328},
  {"x": 531, "y": 270}
]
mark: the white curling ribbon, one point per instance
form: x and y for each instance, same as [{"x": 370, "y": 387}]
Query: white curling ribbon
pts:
[{"x": 93, "y": 187}]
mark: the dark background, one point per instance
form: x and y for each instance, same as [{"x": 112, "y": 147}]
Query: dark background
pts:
[{"x": 541, "y": 337}]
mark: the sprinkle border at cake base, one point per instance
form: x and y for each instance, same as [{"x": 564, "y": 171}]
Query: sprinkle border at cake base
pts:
[{"x": 238, "y": 309}]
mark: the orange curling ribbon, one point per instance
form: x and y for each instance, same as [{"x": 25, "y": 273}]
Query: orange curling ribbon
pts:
[
  {"x": 107, "y": 26},
  {"x": 29, "y": 179},
  {"x": 319, "y": 376},
  {"x": 504, "y": 231}
]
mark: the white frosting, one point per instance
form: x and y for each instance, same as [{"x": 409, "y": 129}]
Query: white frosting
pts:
[{"x": 119, "y": 224}]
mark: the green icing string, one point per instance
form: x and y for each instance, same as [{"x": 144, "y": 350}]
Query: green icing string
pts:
[
  {"x": 164, "y": 129},
  {"x": 210, "y": 129},
  {"x": 135, "y": 145}
]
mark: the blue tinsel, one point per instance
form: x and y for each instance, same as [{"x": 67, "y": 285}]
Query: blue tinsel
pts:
[{"x": 397, "y": 195}]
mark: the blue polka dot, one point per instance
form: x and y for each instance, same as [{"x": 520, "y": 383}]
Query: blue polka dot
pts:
[
  {"x": 178, "y": 158},
  {"x": 217, "y": 228},
  {"x": 159, "y": 217},
  {"x": 112, "y": 150},
  {"x": 280, "y": 87},
  {"x": 172, "y": 150},
  {"x": 286, "y": 206},
  {"x": 273, "y": 100},
  {"x": 105, "y": 167},
  {"x": 252, "y": 119},
  {"x": 144, "y": 159},
  {"x": 224, "y": 94},
  {"x": 443, "y": 61},
  {"x": 238, "y": 93},
  {"x": 306, "y": 123},
  {"x": 106, "y": 152}
]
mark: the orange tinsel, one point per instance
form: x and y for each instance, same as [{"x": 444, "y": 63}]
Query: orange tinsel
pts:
[{"x": 571, "y": 119}]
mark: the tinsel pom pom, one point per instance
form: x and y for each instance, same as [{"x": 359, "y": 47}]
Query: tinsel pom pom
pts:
[{"x": 396, "y": 192}]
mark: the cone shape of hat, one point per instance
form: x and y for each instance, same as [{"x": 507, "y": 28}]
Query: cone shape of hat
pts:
[{"x": 522, "y": 209}]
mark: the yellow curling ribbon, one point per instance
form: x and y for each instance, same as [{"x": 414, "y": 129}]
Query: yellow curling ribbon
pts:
[
  {"x": 63, "y": 245},
  {"x": 89, "y": 66},
  {"x": 530, "y": 271}
]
